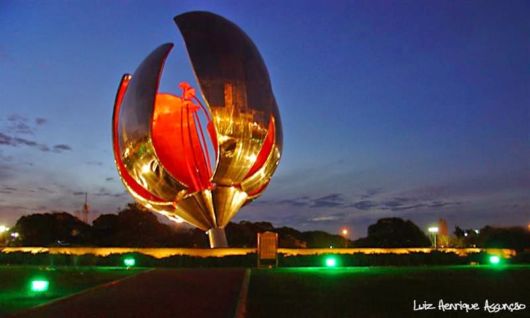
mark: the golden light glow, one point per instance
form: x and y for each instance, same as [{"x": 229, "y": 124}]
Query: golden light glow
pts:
[{"x": 221, "y": 252}]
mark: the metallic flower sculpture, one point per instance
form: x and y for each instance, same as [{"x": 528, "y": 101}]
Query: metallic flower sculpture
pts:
[{"x": 161, "y": 148}]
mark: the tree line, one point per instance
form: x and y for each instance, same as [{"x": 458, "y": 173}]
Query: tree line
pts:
[{"x": 135, "y": 227}]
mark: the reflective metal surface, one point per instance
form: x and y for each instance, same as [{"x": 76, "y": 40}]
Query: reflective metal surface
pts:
[
  {"x": 236, "y": 86},
  {"x": 134, "y": 128},
  {"x": 161, "y": 148}
]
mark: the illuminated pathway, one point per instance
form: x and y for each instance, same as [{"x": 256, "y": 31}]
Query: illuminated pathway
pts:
[{"x": 158, "y": 293}]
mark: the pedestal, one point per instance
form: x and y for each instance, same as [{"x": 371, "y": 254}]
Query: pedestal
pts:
[{"x": 217, "y": 238}]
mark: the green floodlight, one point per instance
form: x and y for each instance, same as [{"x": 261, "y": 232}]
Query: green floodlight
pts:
[
  {"x": 331, "y": 261},
  {"x": 129, "y": 262},
  {"x": 494, "y": 260},
  {"x": 39, "y": 285}
]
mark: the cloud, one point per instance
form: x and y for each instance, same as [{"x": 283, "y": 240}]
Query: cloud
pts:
[
  {"x": 109, "y": 179},
  {"x": 371, "y": 192},
  {"x": 103, "y": 192},
  {"x": 339, "y": 201},
  {"x": 61, "y": 147},
  {"x": 299, "y": 201},
  {"x": 7, "y": 140},
  {"x": 20, "y": 125},
  {"x": 410, "y": 207},
  {"x": 46, "y": 190},
  {"x": 39, "y": 121},
  {"x": 15, "y": 141},
  {"x": 7, "y": 190},
  {"x": 364, "y": 205},
  {"x": 325, "y": 218},
  {"x": 328, "y": 201},
  {"x": 400, "y": 204},
  {"x": 439, "y": 204}
]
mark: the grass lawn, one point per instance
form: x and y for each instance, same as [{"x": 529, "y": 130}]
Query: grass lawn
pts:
[
  {"x": 385, "y": 291},
  {"x": 16, "y": 294}
]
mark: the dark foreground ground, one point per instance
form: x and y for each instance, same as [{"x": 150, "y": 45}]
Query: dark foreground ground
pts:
[
  {"x": 16, "y": 295},
  {"x": 294, "y": 292},
  {"x": 385, "y": 291}
]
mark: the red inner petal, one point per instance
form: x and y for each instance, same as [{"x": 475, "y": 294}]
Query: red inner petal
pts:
[{"x": 176, "y": 135}]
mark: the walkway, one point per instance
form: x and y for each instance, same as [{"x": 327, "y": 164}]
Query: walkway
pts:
[{"x": 159, "y": 293}]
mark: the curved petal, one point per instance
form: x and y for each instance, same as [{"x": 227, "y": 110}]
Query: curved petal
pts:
[
  {"x": 134, "y": 129},
  {"x": 227, "y": 201},
  {"x": 256, "y": 184},
  {"x": 236, "y": 86},
  {"x": 141, "y": 194},
  {"x": 197, "y": 209},
  {"x": 129, "y": 182},
  {"x": 268, "y": 159},
  {"x": 266, "y": 148}
]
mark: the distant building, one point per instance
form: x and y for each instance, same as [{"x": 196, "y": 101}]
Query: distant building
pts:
[{"x": 443, "y": 233}]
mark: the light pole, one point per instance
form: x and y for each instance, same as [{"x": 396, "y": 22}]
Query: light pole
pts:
[{"x": 434, "y": 231}]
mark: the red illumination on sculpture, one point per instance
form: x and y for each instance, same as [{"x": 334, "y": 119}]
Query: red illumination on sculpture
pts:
[{"x": 178, "y": 138}]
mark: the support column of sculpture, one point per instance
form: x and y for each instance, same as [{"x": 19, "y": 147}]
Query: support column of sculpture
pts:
[{"x": 217, "y": 238}]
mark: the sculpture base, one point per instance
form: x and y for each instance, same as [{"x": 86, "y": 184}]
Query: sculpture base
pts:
[{"x": 217, "y": 238}]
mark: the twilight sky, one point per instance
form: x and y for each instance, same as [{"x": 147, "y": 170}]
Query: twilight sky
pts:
[{"x": 411, "y": 109}]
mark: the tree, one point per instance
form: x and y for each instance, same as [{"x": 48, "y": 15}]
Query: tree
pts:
[
  {"x": 290, "y": 238},
  {"x": 321, "y": 239},
  {"x": 394, "y": 232},
  {"x": 458, "y": 232},
  {"x": 517, "y": 238},
  {"x": 58, "y": 228},
  {"x": 134, "y": 226},
  {"x": 244, "y": 233}
]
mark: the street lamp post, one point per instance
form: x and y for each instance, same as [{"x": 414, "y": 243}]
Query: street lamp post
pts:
[{"x": 434, "y": 232}]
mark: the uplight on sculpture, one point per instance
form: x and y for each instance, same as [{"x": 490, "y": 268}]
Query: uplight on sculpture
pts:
[{"x": 193, "y": 161}]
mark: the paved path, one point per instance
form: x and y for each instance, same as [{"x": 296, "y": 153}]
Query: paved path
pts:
[{"x": 192, "y": 293}]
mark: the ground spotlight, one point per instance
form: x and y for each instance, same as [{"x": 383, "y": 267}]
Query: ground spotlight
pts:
[
  {"x": 129, "y": 262},
  {"x": 494, "y": 260},
  {"x": 331, "y": 261},
  {"x": 39, "y": 285}
]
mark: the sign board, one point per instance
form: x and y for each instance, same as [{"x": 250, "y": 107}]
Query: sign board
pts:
[{"x": 267, "y": 247}]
